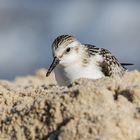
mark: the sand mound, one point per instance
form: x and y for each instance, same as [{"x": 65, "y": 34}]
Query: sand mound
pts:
[{"x": 34, "y": 107}]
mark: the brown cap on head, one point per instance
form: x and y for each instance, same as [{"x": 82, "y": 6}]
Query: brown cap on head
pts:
[{"x": 63, "y": 39}]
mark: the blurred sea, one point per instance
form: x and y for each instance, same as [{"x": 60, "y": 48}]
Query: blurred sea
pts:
[{"x": 27, "y": 29}]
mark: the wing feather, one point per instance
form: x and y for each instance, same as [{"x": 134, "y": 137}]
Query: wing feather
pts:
[{"x": 110, "y": 65}]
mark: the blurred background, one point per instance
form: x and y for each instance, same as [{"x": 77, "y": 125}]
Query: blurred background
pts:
[{"x": 28, "y": 28}]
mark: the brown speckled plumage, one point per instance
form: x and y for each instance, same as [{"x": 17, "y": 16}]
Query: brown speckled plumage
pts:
[
  {"x": 110, "y": 65},
  {"x": 63, "y": 39}
]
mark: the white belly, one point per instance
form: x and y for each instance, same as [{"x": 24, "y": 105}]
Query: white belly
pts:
[{"x": 65, "y": 76}]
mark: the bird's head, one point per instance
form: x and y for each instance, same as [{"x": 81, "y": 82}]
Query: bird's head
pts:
[{"x": 66, "y": 51}]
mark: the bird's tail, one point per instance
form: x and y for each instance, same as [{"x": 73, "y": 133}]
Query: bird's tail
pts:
[{"x": 126, "y": 64}]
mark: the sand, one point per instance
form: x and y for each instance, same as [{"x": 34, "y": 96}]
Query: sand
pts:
[{"x": 34, "y": 107}]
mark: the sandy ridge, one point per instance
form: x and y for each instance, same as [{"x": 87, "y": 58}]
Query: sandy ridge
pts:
[{"x": 34, "y": 107}]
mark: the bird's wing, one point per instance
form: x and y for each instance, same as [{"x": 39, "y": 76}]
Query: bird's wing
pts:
[{"x": 110, "y": 65}]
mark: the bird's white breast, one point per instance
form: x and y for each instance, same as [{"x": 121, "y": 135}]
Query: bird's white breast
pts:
[{"x": 66, "y": 75}]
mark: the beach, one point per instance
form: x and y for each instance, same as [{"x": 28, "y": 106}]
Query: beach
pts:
[{"x": 35, "y": 107}]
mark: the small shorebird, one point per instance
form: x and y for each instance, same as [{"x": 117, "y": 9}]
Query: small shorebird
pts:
[{"x": 73, "y": 60}]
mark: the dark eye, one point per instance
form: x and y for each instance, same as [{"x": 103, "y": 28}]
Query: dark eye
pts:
[{"x": 68, "y": 50}]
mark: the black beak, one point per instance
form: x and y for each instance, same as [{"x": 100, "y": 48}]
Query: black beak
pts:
[{"x": 53, "y": 65}]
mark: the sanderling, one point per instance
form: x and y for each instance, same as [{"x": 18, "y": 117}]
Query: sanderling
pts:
[{"x": 73, "y": 60}]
